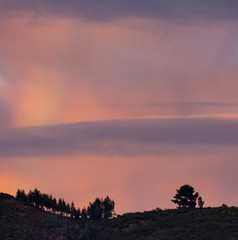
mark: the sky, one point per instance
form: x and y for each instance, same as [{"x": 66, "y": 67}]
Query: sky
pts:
[{"x": 130, "y": 99}]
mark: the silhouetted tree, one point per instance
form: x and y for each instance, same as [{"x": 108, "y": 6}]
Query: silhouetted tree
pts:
[
  {"x": 30, "y": 197},
  {"x": 84, "y": 215},
  {"x": 49, "y": 202},
  {"x": 35, "y": 197},
  {"x": 77, "y": 213},
  {"x": 68, "y": 208},
  {"x": 185, "y": 197},
  {"x": 45, "y": 200},
  {"x": 95, "y": 210},
  {"x": 60, "y": 205},
  {"x": 200, "y": 202},
  {"x": 108, "y": 208},
  {"x": 72, "y": 210},
  {"x": 21, "y": 195},
  {"x": 64, "y": 207},
  {"x": 54, "y": 205}
]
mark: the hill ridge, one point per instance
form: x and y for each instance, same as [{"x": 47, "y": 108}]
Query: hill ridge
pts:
[{"x": 19, "y": 220}]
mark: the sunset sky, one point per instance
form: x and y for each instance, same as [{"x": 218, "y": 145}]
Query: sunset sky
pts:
[{"x": 126, "y": 98}]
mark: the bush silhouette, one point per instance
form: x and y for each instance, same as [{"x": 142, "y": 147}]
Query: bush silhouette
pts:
[{"x": 200, "y": 202}]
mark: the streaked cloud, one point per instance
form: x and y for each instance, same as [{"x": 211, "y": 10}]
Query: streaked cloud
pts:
[{"x": 119, "y": 137}]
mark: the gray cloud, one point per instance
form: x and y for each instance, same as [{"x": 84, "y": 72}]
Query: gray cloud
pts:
[
  {"x": 107, "y": 9},
  {"x": 119, "y": 137}
]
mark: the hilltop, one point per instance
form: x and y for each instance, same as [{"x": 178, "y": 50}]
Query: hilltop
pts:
[{"x": 19, "y": 220}]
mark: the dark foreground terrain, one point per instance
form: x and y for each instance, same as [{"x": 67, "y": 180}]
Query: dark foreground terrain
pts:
[{"x": 19, "y": 220}]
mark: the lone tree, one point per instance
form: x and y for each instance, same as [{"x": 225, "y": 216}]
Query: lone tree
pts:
[{"x": 185, "y": 197}]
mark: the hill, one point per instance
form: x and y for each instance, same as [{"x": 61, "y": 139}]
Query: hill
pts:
[
  {"x": 19, "y": 220},
  {"x": 176, "y": 224}
]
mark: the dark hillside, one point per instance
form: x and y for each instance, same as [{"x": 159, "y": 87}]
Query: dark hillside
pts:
[
  {"x": 19, "y": 221},
  {"x": 175, "y": 224}
]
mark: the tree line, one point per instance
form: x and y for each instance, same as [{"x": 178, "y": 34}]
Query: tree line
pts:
[{"x": 99, "y": 210}]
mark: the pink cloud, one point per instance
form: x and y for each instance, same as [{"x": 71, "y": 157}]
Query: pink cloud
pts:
[{"x": 67, "y": 70}]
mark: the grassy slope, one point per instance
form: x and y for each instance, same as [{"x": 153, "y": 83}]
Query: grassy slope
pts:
[{"x": 21, "y": 221}]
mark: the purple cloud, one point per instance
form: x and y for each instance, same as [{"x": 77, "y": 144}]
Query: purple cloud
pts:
[
  {"x": 107, "y": 9},
  {"x": 119, "y": 137}
]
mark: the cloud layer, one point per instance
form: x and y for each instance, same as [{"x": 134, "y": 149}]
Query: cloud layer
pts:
[
  {"x": 108, "y": 9},
  {"x": 119, "y": 137}
]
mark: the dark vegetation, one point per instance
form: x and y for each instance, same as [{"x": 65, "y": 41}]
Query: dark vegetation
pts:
[
  {"x": 40, "y": 216},
  {"x": 175, "y": 224},
  {"x": 99, "y": 210},
  {"x": 187, "y": 198}
]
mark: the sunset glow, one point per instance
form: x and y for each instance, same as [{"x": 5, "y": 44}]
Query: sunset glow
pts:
[{"x": 126, "y": 100}]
